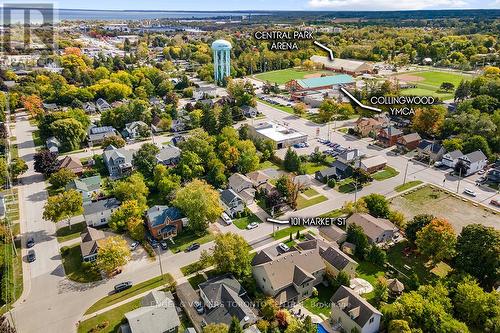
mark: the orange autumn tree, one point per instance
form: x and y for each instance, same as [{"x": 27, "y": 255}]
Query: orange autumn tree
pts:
[
  {"x": 32, "y": 104},
  {"x": 429, "y": 120},
  {"x": 437, "y": 240}
]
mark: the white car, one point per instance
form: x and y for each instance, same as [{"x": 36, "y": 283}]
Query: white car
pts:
[
  {"x": 134, "y": 246},
  {"x": 226, "y": 218},
  {"x": 470, "y": 192},
  {"x": 283, "y": 247},
  {"x": 252, "y": 225},
  {"x": 481, "y": 172},
  {"x": 438, "y": 164}
]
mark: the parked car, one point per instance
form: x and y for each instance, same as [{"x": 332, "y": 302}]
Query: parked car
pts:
[
  {"x": 470, "y": 192},
  {"x": 226, "y": 218},
  {"x": 252, "y": 225},
  {"x": 134, "y": 246},
  {"x": 31, "y": 256},
  {"x": 122, "y": 286},
  {"x": 192, "y": 247},
  {"x": 198, "y": 307},
  {"x": 164, "y": 245},
  {"x": 153, "y": 242},
  {"x": 481, "y": 172},
  {"x": 30, "y": 242},
  {"x": 283, "y": 247},
  {"x": 438, "y": 164},
  {"x": 495, "y": 202}
]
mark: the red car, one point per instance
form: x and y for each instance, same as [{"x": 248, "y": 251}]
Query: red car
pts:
[{"x": 495, "y": 203}]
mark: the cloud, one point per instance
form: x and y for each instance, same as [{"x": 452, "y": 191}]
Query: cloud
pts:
[{"x": 387, "y": 4}]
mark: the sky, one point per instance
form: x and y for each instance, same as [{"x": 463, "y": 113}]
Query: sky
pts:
[{"x": 200, "y": 5}]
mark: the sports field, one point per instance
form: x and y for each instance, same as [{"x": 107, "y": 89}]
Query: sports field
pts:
[
  {"x": 429, "y": 82},
  {"x": 285, "y": 75}
]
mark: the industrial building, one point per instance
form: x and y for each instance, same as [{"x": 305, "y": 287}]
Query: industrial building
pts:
[
  {"x": 281, "y": 136},
  {"x": 319, "y": 83}
]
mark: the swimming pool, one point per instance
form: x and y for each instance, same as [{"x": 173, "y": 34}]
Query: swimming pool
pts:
[{"x": 321, "y": 329}]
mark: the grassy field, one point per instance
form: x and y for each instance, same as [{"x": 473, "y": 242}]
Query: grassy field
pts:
[
  {"x": 310, "y": 192},
  {"x": 386, "y": 173},
  {"x": 432, "y": 81},
  {"x": 135, "y": 290},
  {"x": 440, "y": 203},
  {"x": 184, "y": 239},
  {"x": 109, "y": 321},
  {"x": 74, "y": 268},
  {"x": 321, "y": 303},
  {"x": 285, "y": 75},
  {"x": 303, "y": 202},
  {"x": 408, "y": 185},
  {"x": 287, "y": 231},
  {"x": 65, "y": 233},
  {"x": 268, "y": 165},
  {"x": 242, "y": 223}
]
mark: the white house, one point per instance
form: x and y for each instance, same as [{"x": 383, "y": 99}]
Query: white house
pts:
[
  {"x": 451, "y": 158},
  {"x": 353, "y": 313},
  {"x": 231, "y": 202},
  {"x": 474, "y": 162},
  {"x": 97, "y": 213}
]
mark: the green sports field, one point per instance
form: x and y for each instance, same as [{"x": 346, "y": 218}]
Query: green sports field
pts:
[
  {"x": 428, "y": 83},
  {"x": 285, "y": 75}
]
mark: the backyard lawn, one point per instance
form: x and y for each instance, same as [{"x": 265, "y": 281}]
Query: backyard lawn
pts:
[
  {"x": 285, "y": 75},
  {"x": 135, "y": 290},
  {"x": 268, "y": 165},
  {"x": 242, "y": 223},
  {"x": 75, "y": 269},
  {"x": 109, "y": 321},
  {"x": 195, "y": 281},
  {"x": 387, "y": 173},
  {"x": 408, "y": 185},
  {"x": 417, "y": 263},
  {"x": 321, "y": 303},
  {"x": 65, "y": 233}
]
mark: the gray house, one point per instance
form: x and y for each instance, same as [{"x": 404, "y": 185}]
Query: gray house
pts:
[
  {"x": 450, "y": 159},
  {"x": 118, "y": 161},
  {"x": 376, "y": 229},
  {"x": 169, "y": 155},
  {"x": 90, "y": 243},
  {"x": 102, "y": 105},
  {"x": 97, "y": 134},
  {"x": 224, "y": 298},
  {"x": 473, "y": 162},
  {"x": 97, "y": 213},
  {"x": 231, "y": 202},
  {"x": 88, "y": 187},
  {"x": 53, "y": 144},
  {"x": 134, "y": 129},
  {"x": 157, "y": 314}
]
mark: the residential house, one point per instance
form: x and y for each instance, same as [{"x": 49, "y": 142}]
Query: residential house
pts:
[
  {"x": 368, "y": 126},
  {"x": 291, "y": 276},
  {"x": 243, "y": 186},
  {"x": 493, "y": 175},
  {"x": 204, "y": 93},
  {"x": 408, "y": 142},
  {"x": 89, "y": 108},
  {"x": 90, "y": 243},
  {"x": 102, "y": 105},
  {"x": 352, "y": 312},
  {"x": 473, "y": 162},
  {"x": 169, "y": 155},
  {"x": 430, "y": 150},
  {"x": 303, "y": 180},
  {"x": 135, "y": 130},
  {"x": 96, "y": 135},
  {"x": 372, "y": 164},
  {"x": 157, "y": 314},
  {"x": 118, "y": 161},
  {"x": 225, "y": 298},
  {"x": 349, "y": 156},
  {"x": 71, "y": 163},
  {"x": 97, "y": 213},
  {"x": 388, "y": 136},
  {"x": 338, "y": 170},
  {"x": 89, "y": 187},
  {"x": 325, "y": 174},
  {"x": 249, "y": 111},
  {"x": 450, "y": 159},
  {"x": 53, "y": 144},
  {"x": 258, "y": 178},
  {"x": 377, "y": 230},
  {"x": 50, "y": 107},
  {"x": 231, "y": 202},
  {"x": 165, "y": 222},
  {"x": 178, "y": 125},
  {"x": 333, "y": 234}
]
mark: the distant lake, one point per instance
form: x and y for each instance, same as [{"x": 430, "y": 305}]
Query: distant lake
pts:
[{"x": 75, "y": 15}]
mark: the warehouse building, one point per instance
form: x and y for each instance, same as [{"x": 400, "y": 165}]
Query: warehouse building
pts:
[
  {"x": 319, "y": 83},
  {"x": 281, "y": 136}
]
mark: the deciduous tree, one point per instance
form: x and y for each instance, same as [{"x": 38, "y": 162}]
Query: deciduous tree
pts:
[
  {"x": 232, "y": 254},
  {"x": 113, "y": 252},
  {"x": 437, "y": 240},
  {"x": 61, "y": 178},
  {"x": 63, "y": 206}
]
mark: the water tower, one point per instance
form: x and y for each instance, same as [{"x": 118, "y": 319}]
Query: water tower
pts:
[{"x": 222, "y": 59}]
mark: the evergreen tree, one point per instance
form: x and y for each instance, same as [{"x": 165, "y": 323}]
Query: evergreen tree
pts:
[
  {"x": 209, "y": 121},
  {"x": 291, "y": 163},
  {"x": 235, "y": 326},
  {"x": 225, "y": 118}
]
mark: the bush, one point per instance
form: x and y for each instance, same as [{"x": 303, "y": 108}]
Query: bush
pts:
[
  {"x": 149, "y": 249},
  {"x": 315, "y": 292},
  {"x": 331, "y": 183}
]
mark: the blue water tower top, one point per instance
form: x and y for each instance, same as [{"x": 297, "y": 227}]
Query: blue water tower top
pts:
[{"x": 221, "y": 44}]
